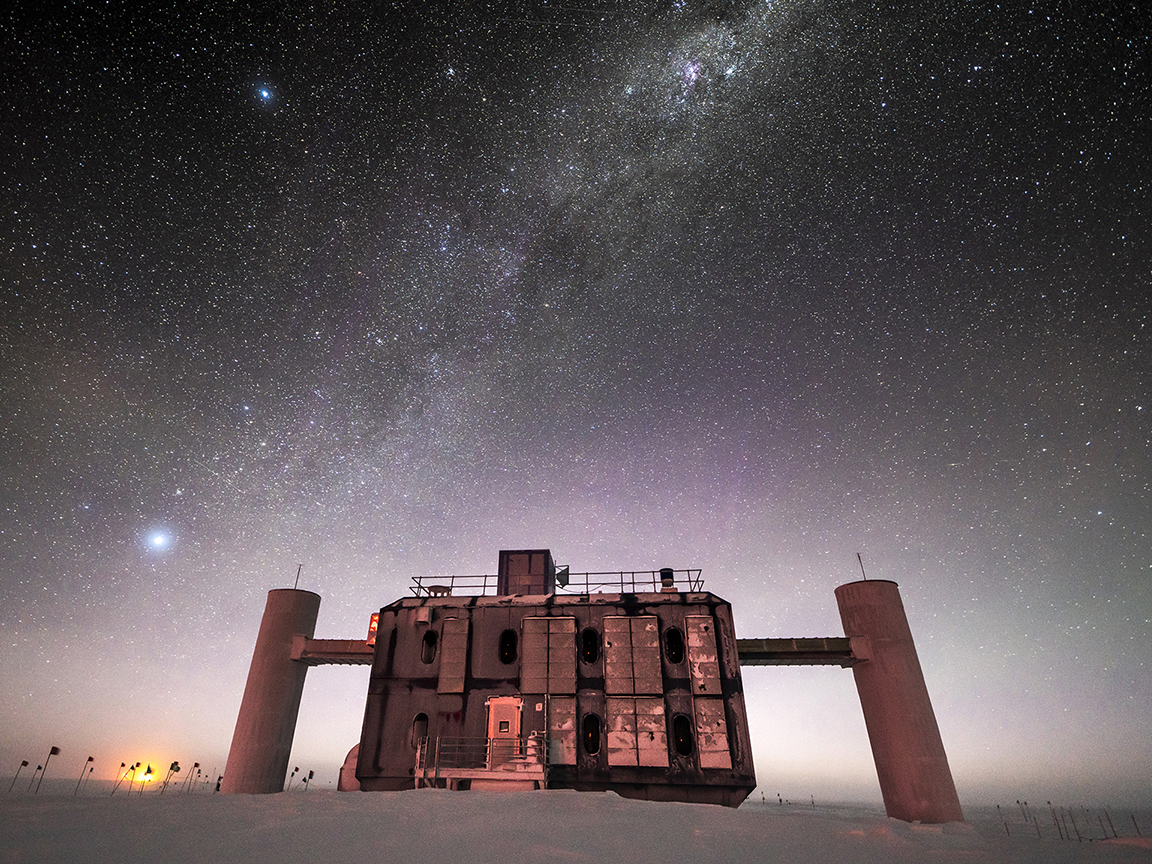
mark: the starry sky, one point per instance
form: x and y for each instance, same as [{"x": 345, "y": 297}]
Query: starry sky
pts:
[{"x": 381, "y": 289}]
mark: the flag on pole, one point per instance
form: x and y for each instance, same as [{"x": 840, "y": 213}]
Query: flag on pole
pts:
[
  {"x": 23, "y": 765},
  {"x": 82, "y": 767},
  {"x": 55, "y": 751}
]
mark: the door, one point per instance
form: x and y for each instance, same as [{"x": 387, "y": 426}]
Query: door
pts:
[{"x": 504, "y": 714}]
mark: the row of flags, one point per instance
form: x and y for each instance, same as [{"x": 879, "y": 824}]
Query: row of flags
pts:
[
  {"x": 86, "y": 772},
  {"x": 40, "y": 769},
  {"x": 125, "y": 770}
]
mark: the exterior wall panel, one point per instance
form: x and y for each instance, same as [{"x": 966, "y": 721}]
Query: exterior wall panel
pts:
[
  {"x": 453, "y": 655},
  {"x": 562, "y": 730},
  {"x": 621, "y": 731},
  {"x": 702, "y": 657},
  {"x": 651, "y": 732},
  {"x": 712, "y": 734},
  {"x": 626, "y": 690}
]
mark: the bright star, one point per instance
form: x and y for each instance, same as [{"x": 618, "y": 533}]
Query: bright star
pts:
[{"x": 159, "y": 540}]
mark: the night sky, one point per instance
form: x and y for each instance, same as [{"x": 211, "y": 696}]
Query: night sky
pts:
[{"x": 747, "y": 286}]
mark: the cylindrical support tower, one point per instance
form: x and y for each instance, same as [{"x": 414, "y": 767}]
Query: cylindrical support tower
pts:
[
  {"x": 262, "y": 742},
  {"x": 910, "y": 761}
]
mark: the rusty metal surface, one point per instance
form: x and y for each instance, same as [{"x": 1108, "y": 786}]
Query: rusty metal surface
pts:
[{"x": 611, "y": 730}]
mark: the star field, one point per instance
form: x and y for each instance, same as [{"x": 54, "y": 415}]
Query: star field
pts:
[{"x": 746, "y": 286}]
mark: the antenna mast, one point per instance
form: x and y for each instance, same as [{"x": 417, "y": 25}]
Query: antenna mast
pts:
[
  {"x": 300, "y": 567},
  {"x": 858, "y": 558}
]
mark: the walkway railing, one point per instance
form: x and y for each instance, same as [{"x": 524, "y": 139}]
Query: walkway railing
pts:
[
  {"x": 444, "y": 760},
  {"x": 608, "y": 582}
]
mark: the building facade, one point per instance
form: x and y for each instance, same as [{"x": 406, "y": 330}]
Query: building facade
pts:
[{"x": 635, "y": 691}]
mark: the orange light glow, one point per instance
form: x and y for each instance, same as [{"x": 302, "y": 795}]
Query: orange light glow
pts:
[
  {"x": 373, "y": 625},
  {"x": 140, "y": 772}
]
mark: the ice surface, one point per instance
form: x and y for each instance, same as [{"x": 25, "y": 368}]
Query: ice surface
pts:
[{"x": 507, "y": 828}]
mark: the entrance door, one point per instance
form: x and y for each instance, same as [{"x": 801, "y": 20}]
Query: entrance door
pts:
[{"x": 504, "y": 729}]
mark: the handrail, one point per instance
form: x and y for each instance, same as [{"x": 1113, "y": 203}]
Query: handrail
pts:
[
  {"x": 606, "y": 582},
  {"x": 447, "y": 758}
]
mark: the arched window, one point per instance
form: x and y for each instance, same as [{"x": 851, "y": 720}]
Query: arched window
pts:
[
  {"x": 682, "y": 734},
  {"x": 508, "y": 647},
  {"x": 589, "y": 645},
  {"x": 419, "y": 728},
  {"x": 590, "y": 734},
  {"x": 428, "y": 647},
  {"x": 674, "y": 645}
]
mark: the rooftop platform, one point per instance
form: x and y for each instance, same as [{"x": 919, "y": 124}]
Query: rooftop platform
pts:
[{"x": 666, "y": 580}]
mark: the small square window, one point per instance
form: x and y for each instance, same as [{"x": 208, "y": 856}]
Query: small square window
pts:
[{"x": 504, "y": 726}]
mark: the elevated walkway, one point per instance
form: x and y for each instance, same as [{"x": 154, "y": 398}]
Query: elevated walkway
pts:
[
  {"x": 824, "y": 651},
  {"x": 829, "y": 651}
]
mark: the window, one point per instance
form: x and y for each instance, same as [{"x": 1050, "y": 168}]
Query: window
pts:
[
  {"x": 428, "y": 647},
  {"x": 589, "y": 645},
  {"x": 508, "y": 647},
  {"x": 682, "y": 734},
  {"x": 419, "y": 729},
  {"x": 590, "y": 734},
  {"x": 674, "y": 645}
]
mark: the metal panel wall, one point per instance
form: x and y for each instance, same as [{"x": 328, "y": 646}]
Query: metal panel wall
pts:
[
  {"x": 562, "y": 656},
  {"x": 534, "y": 656},
  {"x": 712, "y": 734},
  {"x": 562, "y": 730},
  {"x": 637, "y": 733},
  {"x": 647, "y": 670},
  {"x": 621, "y": 723},
  {"x": 453, "y": 655},
  {"x": 548, "y": 656},
  {"x": 651, "y": 732},
  {"x": 702, "y": 658},
  {"x": 618, "y": 655},
  {"x": 632, "y": 655}
]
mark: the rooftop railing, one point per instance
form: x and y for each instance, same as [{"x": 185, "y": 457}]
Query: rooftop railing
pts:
[{"x": 608, "y": 582}]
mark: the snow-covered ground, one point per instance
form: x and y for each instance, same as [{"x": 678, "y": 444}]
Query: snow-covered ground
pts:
[{"x": 530, "y": 827}]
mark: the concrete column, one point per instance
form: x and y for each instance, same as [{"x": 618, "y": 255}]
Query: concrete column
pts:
[
  {"x": 910, "y": 761},
  {"x": 262, "y": 741}
]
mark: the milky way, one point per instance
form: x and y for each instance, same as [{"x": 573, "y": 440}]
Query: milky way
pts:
[{"x": 750, "y": 287}]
